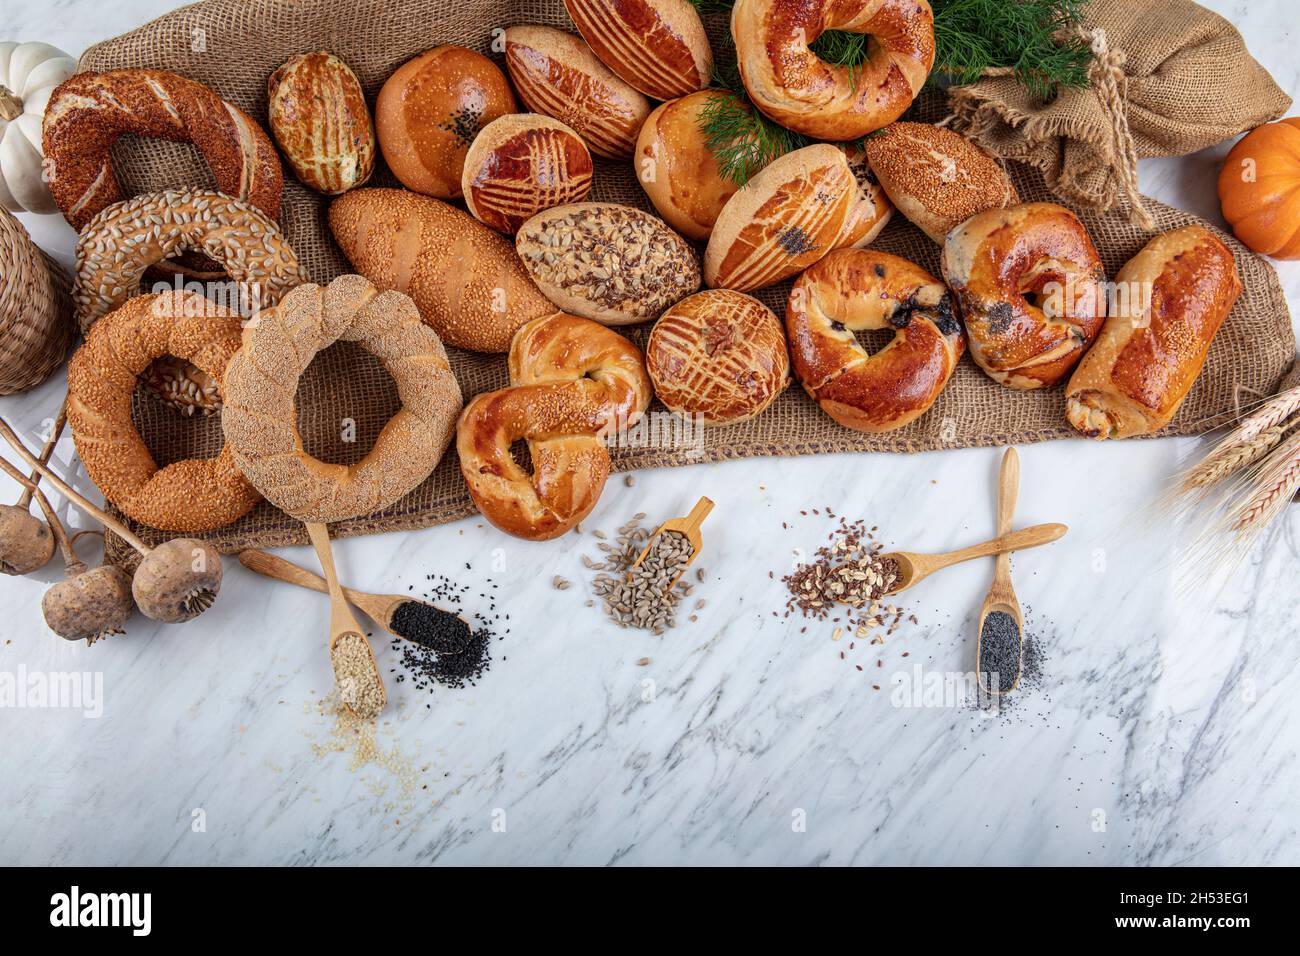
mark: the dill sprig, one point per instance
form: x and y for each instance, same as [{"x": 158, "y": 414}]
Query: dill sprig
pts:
[
  {"x": 1035, "y": 38},
  {"x": 741, "y": 139}
]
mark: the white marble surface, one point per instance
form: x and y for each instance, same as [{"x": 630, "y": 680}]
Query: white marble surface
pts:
[{"x": 1164, "y": 731}]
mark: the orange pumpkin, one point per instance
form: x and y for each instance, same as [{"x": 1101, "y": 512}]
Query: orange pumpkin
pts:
[{"x": 1259, "y": 189}]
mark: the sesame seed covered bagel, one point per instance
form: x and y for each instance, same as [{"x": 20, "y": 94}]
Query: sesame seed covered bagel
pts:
[
  {"x": 853, "y": 290},
  {"x": 260, "y": 421},
  {"x": 89, "y": 111},
  {"x": 572, "y": 382},
  {"x": 126, "y": 238},
  {"x": 191, "y": 495}
]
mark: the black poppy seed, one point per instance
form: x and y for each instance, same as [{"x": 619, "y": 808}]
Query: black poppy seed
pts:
[
  {"x": 431, "y": 627},
  {"x": 999, "y": 651}
]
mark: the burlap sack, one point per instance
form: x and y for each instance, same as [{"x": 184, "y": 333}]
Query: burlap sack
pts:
[
  {"x": 233, "y": 45},
  {"x": 1185, "y": 80}
]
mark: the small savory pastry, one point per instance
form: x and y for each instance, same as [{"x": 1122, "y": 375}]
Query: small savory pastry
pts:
[
  {"x": 659, "y": 46},
  {"x": 320, "y": 120},
  {"x": 429, "y": 112},
  {"x": 1171, "y": 299}
]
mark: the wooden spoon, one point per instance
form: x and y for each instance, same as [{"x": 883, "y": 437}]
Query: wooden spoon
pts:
[
  {"x": 381, "y": 607},
  {"x": 342, "y": 621},
  {"x": 688, "y": 526},
  {"x": 913, "y": 567},
  {"x": 1002, "y": 596}
]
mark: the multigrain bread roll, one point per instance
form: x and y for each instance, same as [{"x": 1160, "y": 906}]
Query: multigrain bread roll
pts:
[
  {"x": 659, "y": 46},
  {"x": 521, "y": 164},
  {"x": 1170, "y": 300},
  {"x": 792, "y": 213},
  {"x": 677, "y": 169},
  {"x": 555, "y": 73},
  {"x": 429, "y": 112},
  {"x": 935, "y": 177},
  {"x": 465, "y": 279}
]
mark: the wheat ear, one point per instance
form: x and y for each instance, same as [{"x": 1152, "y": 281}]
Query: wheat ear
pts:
[
  {"x": 1279, "y": 478},
  {"x": 1231, "y": 455},
  {"x": 1273, "y": 412}
]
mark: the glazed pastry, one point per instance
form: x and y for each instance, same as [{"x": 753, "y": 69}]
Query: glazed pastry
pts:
[
  {"x": 802, "y": 92},
  {"x": 557, "y": 75},
  {"x": 658, "y": 46},
  {"x": 720, "y": 355},
  {"x": 522, "y": 164},
  {"x": 572, "y": 382},
  {"x": 937, "y": 178},
  {"x": 88, "y": 112},
  {"x": 677, "y": 169},
  {"x": 465, "y": 279},
  {"x": 261, "y": 424},
  {"x": 1171, "y": 298},
  {"x": 1030, "y": 287},
  {"x": 320, "y": 120},
  {"x": 611, "y": 263},
  {"x": 197, "y": 494},
  {"x": 853, "y": 290},
  {"x": 429, "y": 112}
]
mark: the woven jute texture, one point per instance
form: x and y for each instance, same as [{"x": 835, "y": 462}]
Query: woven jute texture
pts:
[
  {"x": 1187, "y": 79},
  {"x": 233, "y": 47},
  {"x": 35, "y": 310}
]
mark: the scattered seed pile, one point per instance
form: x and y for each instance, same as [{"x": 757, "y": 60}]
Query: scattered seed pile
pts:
[
  {"x": 358, "y": 678},
  {"x": 844, "y": 584},
  {"x": 444, "y": 650},
  {"x": 642, "y": 597}
]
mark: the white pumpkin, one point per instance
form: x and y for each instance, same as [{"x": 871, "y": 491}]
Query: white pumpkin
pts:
[{"x": 29, "y": 72}]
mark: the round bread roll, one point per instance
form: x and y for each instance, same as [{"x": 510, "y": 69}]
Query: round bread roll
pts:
[
  {"x": 558, "y": 75},
  {"x": 677, "y": 169},
  {"x": 937, "y": 178},
  {"x": 429, "y": 112},
  {"x": 521, "y": 164},
  {"x": 720, "y": 355}
]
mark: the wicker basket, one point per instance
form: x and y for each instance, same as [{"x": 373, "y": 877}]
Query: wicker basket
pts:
[{"x": 35, "y": 310}]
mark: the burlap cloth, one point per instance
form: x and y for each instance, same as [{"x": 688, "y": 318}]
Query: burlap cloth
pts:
[
  {"x": 1184, "y": 81},
  {"x": 233, "y": 46}
]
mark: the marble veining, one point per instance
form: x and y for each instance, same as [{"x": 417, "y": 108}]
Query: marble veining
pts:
[{"x": 1163, "y": 728}]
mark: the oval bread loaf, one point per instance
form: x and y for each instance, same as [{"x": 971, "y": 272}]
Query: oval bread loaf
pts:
[
  {"x": 320, "y": 120},
  {"x": 464, "y": 278},
  {"x": 556, "y": 74},
  {"x": 659, "y": 46},
  {"x": 611, "y": 263}
]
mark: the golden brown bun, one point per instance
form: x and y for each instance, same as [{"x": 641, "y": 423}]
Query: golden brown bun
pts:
[
  {"x": 678, "y": 171},
  {"x": 429, "y": 112},
  {"x": 556, "y": 74},
  {"x": 802, "y": 92},
  {"x": 521, "y": 164},
  {"x": 1171, "y": 298},
  {"x": 571, "y": 382},
  {"x": 196, "y": 494},
  {"x": 260, "y": 420},
  {"x": 658, "y": 46},
  {"x": 465, "y": 279},
  {"x": 321, "y": 122},
  {"x": 786, "y": 218},
  {"x": 720, "y": 355},
  {"x": 936, "y": 178},
  {"x": 853, "y": 290},
  {"x": 1030, "y": 287},
  {"x": 607, "y": 262},
  {"x": 874, "y": 208}
]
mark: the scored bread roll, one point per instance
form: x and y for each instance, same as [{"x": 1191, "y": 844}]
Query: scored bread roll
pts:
[
  {"x": 429, "y": 112},
  {"x": 720, "y": 355},
  {"x": 556, "y": 74},
  {"x": 935, "y": 177},
  {"x": 874, "y": 208},
  {"x": 1170, "y": 300},
  {"x": 519, "y": 165},
  {"x": 677, "y": 169},
  {"x": 464, "y": 278},
  {"x": 659, "y": 46},
  {"x": 797, "y": 209}
]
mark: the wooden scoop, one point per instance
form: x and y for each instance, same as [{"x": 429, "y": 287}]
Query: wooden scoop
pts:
[
  {"x": 913, "y": 567},
  {"x": 381, "y": 607},
  {"x": 342, "y": 621},
  {"x": 1002, "y": 596},
  {"x": 688, "y": 526}
]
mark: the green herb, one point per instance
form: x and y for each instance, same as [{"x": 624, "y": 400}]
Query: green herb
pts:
[
  {"x": 741, "y": 139},
  {"x": 842, "y": 49},
  {"x": 1034, "y": 38}
]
